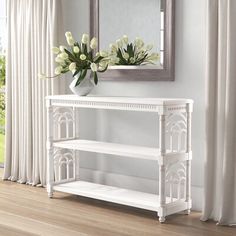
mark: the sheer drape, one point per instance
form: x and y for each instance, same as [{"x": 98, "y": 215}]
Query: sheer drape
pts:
[
  {"x": 33, "y": 28},
  {"x": 220, "y": 172}
]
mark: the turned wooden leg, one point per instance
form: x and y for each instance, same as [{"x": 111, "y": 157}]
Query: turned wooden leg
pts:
[
  {"x": 50, "y": 159},
  {"x": 162, "y": 219},
  {"x": 162, "y": 168},
  {"x": 50, "y": 191},
  {"x": 187, "y": 212}
]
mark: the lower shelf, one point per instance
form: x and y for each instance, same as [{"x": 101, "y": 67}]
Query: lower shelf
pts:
[{"x": 112, "y": 194}]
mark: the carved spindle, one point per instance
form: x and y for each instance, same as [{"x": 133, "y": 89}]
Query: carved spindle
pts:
[
  {"x": 74, "y": 123},
  {"x": 162, "y": 168},
  {"x": 58, "y": 130},
  {"x": 171, "y": 188},
  {"x": 75, "y": 136},
  {"x": 50, "y": 161},
  {"x": 60, "y": 172},
  {"x": 188, "y": 150},
  {"x": 68, "y": 169}
]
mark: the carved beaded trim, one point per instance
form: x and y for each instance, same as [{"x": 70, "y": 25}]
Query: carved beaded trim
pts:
[
  {"x": 176, "y": 108},
  {"x": 109, "y": 105}
]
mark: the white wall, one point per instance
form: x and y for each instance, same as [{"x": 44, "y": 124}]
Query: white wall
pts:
[{"x": 137, "y": 128}]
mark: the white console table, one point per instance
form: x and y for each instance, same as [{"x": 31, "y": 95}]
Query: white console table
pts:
[{"x": 173, "y": 155}]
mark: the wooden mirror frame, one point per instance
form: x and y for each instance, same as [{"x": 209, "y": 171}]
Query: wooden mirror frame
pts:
[{"x": 159, "y": 74}]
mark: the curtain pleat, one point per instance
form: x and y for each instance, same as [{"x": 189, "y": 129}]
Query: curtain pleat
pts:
[
  {"x": 33, "y": 28},
  {"x": 220, "y": 167}
]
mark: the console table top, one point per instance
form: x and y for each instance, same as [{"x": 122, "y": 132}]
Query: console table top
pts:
[{"x": 124, "y": 100}]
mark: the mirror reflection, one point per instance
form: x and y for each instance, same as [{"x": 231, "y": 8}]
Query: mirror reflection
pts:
[{"x": 134, "y": 18}]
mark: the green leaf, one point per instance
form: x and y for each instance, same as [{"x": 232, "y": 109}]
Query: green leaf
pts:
[
  {"x": 65, "y": 70},
  {"x": 141, "y": 60},
  {"x": 90, "y": 55},
  {"x": 103, "y": 69},
  {"x": 76, "y": 72},
  {"x": 95, "y": 78},
  {"x": 120, "y": 56},
  {"x": 130, "y": 50},
  {"x": 98, "y": 59},
  {"x": 81, "y": 77},
  {"x": 83, "y": 74},
  {"x": 84, "y": 48},
  {"x": 71, "y": 56},
  {"x": 77, "y": 44}
]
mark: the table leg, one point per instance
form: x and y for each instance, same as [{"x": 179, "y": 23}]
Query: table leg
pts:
[{"x": 50, "y": 160}]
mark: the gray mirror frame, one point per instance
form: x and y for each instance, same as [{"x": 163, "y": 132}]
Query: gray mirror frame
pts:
[{"x": 164, "y": 74}]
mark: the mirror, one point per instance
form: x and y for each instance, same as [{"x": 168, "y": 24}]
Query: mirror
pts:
[
  {"x": 151, "y": 20},
  {"x": 124, "y": 23}
]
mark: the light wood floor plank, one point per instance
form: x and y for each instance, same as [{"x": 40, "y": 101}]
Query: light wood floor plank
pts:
[{"x": 26, "y": 210}]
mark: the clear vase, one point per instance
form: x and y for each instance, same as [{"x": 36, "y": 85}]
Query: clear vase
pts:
[{"x": 84, "y": 87}]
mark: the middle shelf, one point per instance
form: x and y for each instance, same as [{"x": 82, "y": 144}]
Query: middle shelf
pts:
[
  {"x": 110, "y": 148},
  {"x": 132, "y": 151}
]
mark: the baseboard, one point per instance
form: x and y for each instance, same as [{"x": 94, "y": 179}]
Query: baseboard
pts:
[{"x": 134, "y": 183}]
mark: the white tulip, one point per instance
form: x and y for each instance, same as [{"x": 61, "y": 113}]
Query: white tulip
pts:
[
  {"x": 103, "y": 65},
  {"x": 58, "y": 59},
  {"x": 119, "y": 43},
  {"x": 113, "y": 53},
  {"x": 72, "y": 66},
  {"x": 55, "y": 50},
  {"x": 70, "y": 41},
  {"x": 149, "y": 47},
  {"x": 132, "y": 60},
  {"x": 76, "y": 49},
  {"x": 153, "y": 57},
  {"x": 126, "y": 56},
  {"x": 94, "y": 43},
  {"x": 141, "y": 54},
  {"x": 103, "y": 54},
  {"x": 68, "y": 34},
  {"x": 157, "y": 57},
  {"x": 63, "y": 55},
  {"x": 85, "y": 38},
  {"x": 62, "y": 48},
  {"x": 113, "y": 46},
  {"x": 41, "y": 76},
  {"x": 94, "y": 67},
  {"x": 58, "y": 70},
  {"x": 114, "y": 60},
  {"x": 139, "y": 42},
  {"x": 117, "y": 59},
  {"x": 125, "y": 39},
  {"x": 73, "y": 71},
  {"x": 82, "y": 57},
  {"x": 97, "y": 54}
]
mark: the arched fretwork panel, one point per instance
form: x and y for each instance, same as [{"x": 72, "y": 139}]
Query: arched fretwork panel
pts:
[
  {"x": 64, "y": 123},
  {"x": 175, "y": 181},
  {"x": 176, "y": 130},
  {"x": 64, "y": 165}
]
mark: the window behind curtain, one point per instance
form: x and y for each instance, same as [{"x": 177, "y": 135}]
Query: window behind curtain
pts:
[{"x": 3, "y": 37}]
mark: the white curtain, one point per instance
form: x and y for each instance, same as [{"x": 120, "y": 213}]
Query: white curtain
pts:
[
  {"x": 33, "y": 28},
  {"x": 220, "y": 169}
]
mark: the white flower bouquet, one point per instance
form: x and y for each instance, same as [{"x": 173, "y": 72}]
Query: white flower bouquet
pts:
[
  {"x": 135, "y": 53},
  {"x": 80, "y": 57}
]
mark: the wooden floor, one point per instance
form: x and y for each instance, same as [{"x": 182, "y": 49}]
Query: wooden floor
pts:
[{"x": 26, "y": 210}]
